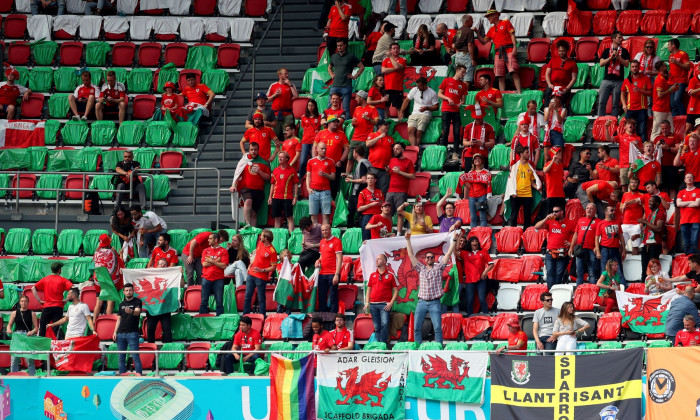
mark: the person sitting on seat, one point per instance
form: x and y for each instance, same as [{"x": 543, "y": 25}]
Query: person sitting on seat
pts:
[
  {"x": 112, "y": 98},
  {"x": 10, "y": 91},
  {"x": 169, "y": 101},
  {"x": 83, "y": 99},
  {"x": 199, "y": 97},
  {"x": 246, "y": 339}
]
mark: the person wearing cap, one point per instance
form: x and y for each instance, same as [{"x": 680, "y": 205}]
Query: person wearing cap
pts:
[
  {"x": 452, "y": 91},
  {"x": 369, "y": 203},
  {"x": 340, "y": 67},
  {"x": 584, "y": 235},
  {"x": 337, "y": 149},
  {"x": 106, "y": 256},
  {"x": 260, "y": 102},
  {"x": 283, "y": 192},
  {"x": 380, "y": 145},
  {"x": 380, "y": 225},
  {"x": 401, "y": 171},
  {"x": 51, "y": 302},
  {"x": 252, "y": 173},
  {"x": 524, "y": 138},
  {"x": 517, "y": 340},
  {"x": 380, "y": 296},
  {"x": 635, "y": 90},
  {"x": 522, "y": 181},
  {"x": 364, "y": 119},
  {"x": 559, "y": 231},
  {"x": 502, "y": 34},
  {"x": 693, "y": 110},
  {"x": 476, "y": 186},
  {"x": 320, "y": 171},
  {"x": 112, "y": 98},
  {"x": 561, "y": 73},
  {"x": 358, "y": 180},
  {"x": 128, "y": 180},
  {"x": 334, "y": 108},
  {"x": 383, "y": 46},
  {"x": 446, "y": 214},
  {"x": 425, "y": 102},
  {"x": 82, "y": 100},
  {"x": 393, "y": 68},
  {"x": 263, "y": 136},
  {"x": 11, "y": 91},
  {"x": 478, "y": 137},
  {"x": 282, "y": 93},
  {"x": 661, "y": 103},
  {"x": 169, "y": 101},
  {"x": 626, "y": 140},
  {"x": 199, "y": 96},
  {"x": 554, "y": 179},
  {"x": 613, "y": 61},
  {"x": 554, "y": 116}
]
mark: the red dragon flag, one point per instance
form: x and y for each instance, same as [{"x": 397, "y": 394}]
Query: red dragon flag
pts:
[
  {"x": 645, "y": 314},
  {"x": 158, "y": 288},
  {"x": 457, "y": 376},
  {"x": 361, "y": 386},
  {"x": 75, "y": 362}
]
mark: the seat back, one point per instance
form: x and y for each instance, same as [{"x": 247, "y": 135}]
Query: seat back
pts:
[
  {"x": 123, "y": 54},
  {"x": 537, "y": 50},
  {"x": 147, "y": 359},
  {"x": 530, "y": 300},
  {"x": 76, "y": 182},
  {"x": 170, "y": 159},
  {"x": 533, "y": 240},
  {"x": 632, "y": 267},
  {"x": 561, "y": 293},
  {"x": 678, "y": 21},
  {"x": 475, "y": 326},
  {"x": 24, "y": 181},
  {"x": 508, "y": 297},
  {"x": 176, "y": 53},
  {"x": 228, "y": 55},
  {"x": 71, "y": 53},
  {"x": 18, "y": 53},
  {"x": 629, "y": 21},
  {"x": 88, "y": 296},
  {"x": 272, "y": 329},
  {"x": 299, "y": 106},
  {"x": 104, "y": 325},
  {"x": 197, "y": 360},
  {"x": 500, "y": 325},
  {"x": 532, "y": 264},
  {"x": 33, "y": 107},
  {"x": 609, "y": 326},
  {"x": 508, "y": 239},
  {"x": 586, "y": 49},
  {"x": 604, "y": 22},
  {"x": 149, "y": 54},
  {"x": 419, "y": 186},
  {"x": 193, "y": 298},
  {"x": 451, "y": 325},
  {"x": 363, "y": 327},
  {"x": 15, "y": 26},
  {"x": 144, "y": 106}
]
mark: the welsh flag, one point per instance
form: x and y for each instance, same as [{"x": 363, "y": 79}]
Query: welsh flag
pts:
[
  {"x": 637, "y": 158},
  {"x": 18, "y": 134},
  {"x": 457, "y": 376},
  {"x": 294, "y": 290},
  {"x": 22, "y": 342},
  {"x": 158, "y": 288},
  {"x": 71, "y": 362},
  {"x": 108, "y": 291},
  {"x": 645, "y": 314}
]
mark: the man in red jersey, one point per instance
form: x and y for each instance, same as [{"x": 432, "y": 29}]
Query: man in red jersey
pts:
[
  {"x": 82, "y": 100},
  {"x": 163, "y": 250},
  {"x": 334, "y": 108},
  {"x": 584, "y": 235},
  {"x": 693, "y": 102},
  {"x": 647, "y": 167},
  {"x": 670, "y": 144},
  {"x": 342, "y": 336},
  {"x": 364, "y": 119},
  {"x": 331, "y": 250},
  {"x": 401, "y": 172},
  {"x": 688, "y": 202},
  {"x": 320, "y": 171},
  {"x": 338, "y": 24},
  {"x": 393, "y": 70},
  {"x": 337, "y": 149},
  {"x": 380, "y": 225},
  {"x": 282, "y": 93},
  {"x": 608, "y": 241},
  {"x": 607, "y": 168},
  {"x": 199, "y": 96},
  {"x": 635, "y": 90},
  {"x": 661, "y": 104},
  {"x": 478, "y": 138},
  {"x": 561, "y": 72},
  {"x": 597, "y": 192},
  {"x": 558, "y": 243},
  {"x": 488, "y": 97},
  {"x": 689, "y": 335},
  {"x": 502, "y": 34},
  {"x": 653, "y": 191},
  {"x": 214, "y": 261},
  {"x": 626, "y": 140},
  {"x": 292, "y": 146},
  {"x": 380, "y": 295},
  {"x": 53, "y": 287},
  {"x": 368, "y": 203},
  {"x": 322, "y": 340},
  {"x": 632, "y": 207},
  {"x": 452, "y": 91},
  {"x": 554, "y": 179},
  {"x": 245, "y": 341},
  {"x": 263, "y": 136},
  {"x": 10, "y": 91},
  {"x": 679, "y": 68},
  {"x": 252, "y": 172},
  {"x": 517, "y": 340},
  {"x": 260, "y": 272},
  {"x": 689, "y": 157},
  {"x": 380, "y": 146},
  {"x": 525, "y": 139},
  {"x": 447, "y": 36},
  {"x": 283, "y": 192},
  {"x": 112, "y": 98}
]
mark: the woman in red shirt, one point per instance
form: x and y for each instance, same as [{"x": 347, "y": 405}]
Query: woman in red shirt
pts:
[
  {"x": 376, "y": 96},
  {"x": 479, "y": 181},
  {"x": 476, "y": 266},
  {"x": 311, "y": 125}
]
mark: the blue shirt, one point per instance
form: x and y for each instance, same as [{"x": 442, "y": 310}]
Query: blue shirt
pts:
[{"x": 680, "y": 308}]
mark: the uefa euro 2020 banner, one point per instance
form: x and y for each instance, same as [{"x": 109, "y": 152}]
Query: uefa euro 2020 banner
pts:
[
  {"x": 673, "y": 383},
  {"x": 604, "y": 386}
]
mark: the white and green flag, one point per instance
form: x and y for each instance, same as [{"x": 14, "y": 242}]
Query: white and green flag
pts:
[
  {"x": 457, "y": 376},
  {"x": 645, "y": 314},
  {"x": 158, "y": 288},
  {"x": 363, "y": 386}
]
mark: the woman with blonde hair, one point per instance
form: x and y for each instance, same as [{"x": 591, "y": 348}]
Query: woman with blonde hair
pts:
[
  {"x": 566, "y": 327},
  {"x": 423, "y": 52},
  {"x": 419, "y": 223}
]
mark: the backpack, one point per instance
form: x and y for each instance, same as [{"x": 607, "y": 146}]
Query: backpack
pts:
[
  {"x": 220, "y": 357},
  {"x": 92, "y": 203}
]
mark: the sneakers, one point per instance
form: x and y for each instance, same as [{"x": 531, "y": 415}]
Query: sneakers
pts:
[
  {"x": 84, "y": 118},
  {"x": 75, "y": 118}
]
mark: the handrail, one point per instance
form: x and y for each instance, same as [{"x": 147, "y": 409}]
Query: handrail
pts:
[{"x": 241, "y": 76}]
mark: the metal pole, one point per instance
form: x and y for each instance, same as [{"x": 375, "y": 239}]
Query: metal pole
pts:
[
  {"x": 218, "y": 198},
  {"x": 194, "y": 188},
  {"x": 157, "y": 365},
  {"x": 55, "y": 226},
  {"x": 281, "y": 24},
  {"x": 17, "y": 194},
  {"x": 252, "y": 84},
  {"x": 223, "y": 152},
  {"x": 82, "y": 196}
]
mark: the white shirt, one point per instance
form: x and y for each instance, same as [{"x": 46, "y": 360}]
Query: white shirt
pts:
[
  {"x": 420, "y": 99},
  {"x": 148, "y": 221},
  {"x": 77, "y": 320}
]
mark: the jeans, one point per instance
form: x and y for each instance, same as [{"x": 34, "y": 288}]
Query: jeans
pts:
[
  {"x": 320, "y": 202},
  {"x": 191, "y": 269},
  {"x": 304, "y": 159},
  {"x": 152, "y": 324},
  {"x": 447, "y": 119},
  {"x": 476, "y": 289},
  {"x": 547, "y": 345},
  {"x": 612, "y": 253},
  {"x": 327, "y": 291},
  {"x": 589, "y": 262},
  {"x": 61, "y": 4},
  {"x": 366, "y": 234},
  {"x": 132, "y": 340},
  {"x": 49, "y": 315},
  {"x": 475, "y": 215},
  {"x": 640, "y": 116},
  {"x": 380, "y": 318},
  {"x": 556, "y": 138},
  {"x": 149, "y": 241},
  {"x": 526, "y": 204},
  {"x": 608, "y": 87},
  {"x": 209, "y": 286},
  {"x": 381, "y": 112},
  {"x": 14, "y": 360},
  {"x": 402, "y": 8},
  {"x": 434, "y": 308},
  {"x": 677, "y": 106},
  {"x": 690, "y": 232},
  {"x": 308, "y": 258},
  {"x": 253, "y": 283},
  {"x": 556, "y": 269},
  {"x": 139, "y": 190},
  {"x": 100, "y": 5},
  {"x": 346, "y": 92}
]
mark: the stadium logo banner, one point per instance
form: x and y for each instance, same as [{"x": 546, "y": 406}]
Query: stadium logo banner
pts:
[
  {"x": 457, "y": 376},
  {"x": 361, "y": 386},
  {"x": 602, "y": 386},
  {"x": 400, "y": 264},
  {"x": 673, "y": 383},
  {"x": 645, "y": 314},
  {"x": 158, "y": 288}
]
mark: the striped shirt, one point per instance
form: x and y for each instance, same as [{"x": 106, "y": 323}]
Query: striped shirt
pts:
[
  {"x": 430, "y": 281},
  {"x": 283, "y": 182}
]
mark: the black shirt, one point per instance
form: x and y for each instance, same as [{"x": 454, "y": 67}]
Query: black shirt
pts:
[
  {"x": 129, "y": 322},
  {"x": 614, "y": 70},
  {"x": 268, "y": 114},
  {"x": 129, "y": 167},
  {"x": 233, "y": 256},
  {"x": 122, "y": 228},
  {"x": 578, "y": 168}
]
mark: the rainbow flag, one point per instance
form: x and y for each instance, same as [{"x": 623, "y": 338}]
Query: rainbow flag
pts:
[{"x": 292, "y": 388}]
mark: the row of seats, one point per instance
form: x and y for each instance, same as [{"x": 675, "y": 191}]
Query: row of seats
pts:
[{"x": 633, "y": 22}]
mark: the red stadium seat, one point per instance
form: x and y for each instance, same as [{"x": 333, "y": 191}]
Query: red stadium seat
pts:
[
  {"x": 144, "y": 106},
  {"x": 272, "y": 329},
  {"x": 530, "y": 298},
  {"x": 586, "y": 49},
  {"x": 75, "y": 181},
  {"x": 228, "y": 55},
  {"x": 599, "y": 127},
  {"x": 695, "y": 23},
  {"x": 25, "y": 181},
  {"x": 170, "y": 159},
  {"x": 679, "y": 22},
  {"x": 635, "y": 44},
  {"x": 537, "y": 50},
  {"x": 357, "y": 270},
  {"x": 34, "y": 305},
  {"x": 653, "y": 22},
  {"x": 483, "y": 50},
  {"x": 240, "y": 296},
  {"x": 345, "y": 269},
  {"x": 258, "y": 321},
  {"x": 569, "y": 40},
  {"x": 270, "y": 304},
  {"x": 204, "y": 7},
  {"x": 507, "y": 269},
  {"x": 431, "y": 210},
  {"x": 71, "y": 53},
  {"x": 33, "y": 107},
  {"x": 598, "y": 4},
  {"x": 182, "y": 82},
  {"x": 104, "y": 325},
  {"x": 670, "y": 236},
  {"x": 319, "y": 52},
  {"x": 402, "y": 129},
  {"x": 363, "y": 327},
  {"x": 255, "y": 8},
  {"x": 579, "y": 23},
  {"x": 680, "y": 265},
  {"x": 628, "y": 21},
  {"x": 604, "y": 22},
  {"x": 574, "y": 210},
  {"x": 420, "y": 185},
  {"x": 193, "y": 298},
  {"x": 528, "y": 76},
  {"x": 533, "y": 240},
  {"x": 5, "y": 358},
  {"x": 500, "y": 325},
  {"x": 176, "y": 53},
  {"x": 18, "y": 53},
  {"x": 484, "y": 234},
  {"x": 147, "y": 359},
  {"x": 15, "y": 26},
  {"x": 123, "y": 54},
  {"x": 585, "y": 296},
  {"x": 149, "y": 54},
  {"x": 609, "y": 326},
  {"x": 508, "y": 239},
  {"x": 347, "y": 294},
  {"x": 5, "y": 6},
  {"x": 474, "y": 327},
  {"x": 197, "y": 361},
  {"x": 456, "y": 6},
  {"x": 299, "y": 106},
  {"x": 636, "y": 288},
  {"x": 451, "y": 325},
  {"x": 679, "y": 125},
  {"x": 462, "y": 211},
  {"x": 89, "y": 296}
]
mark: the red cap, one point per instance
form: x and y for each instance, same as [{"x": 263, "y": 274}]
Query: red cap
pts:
[
  {"x": 514, "y": 323},
  {"x": 525, "y": 119},
  {"x": 105, "y": 240},
  {"x": 169, "y": 85}
]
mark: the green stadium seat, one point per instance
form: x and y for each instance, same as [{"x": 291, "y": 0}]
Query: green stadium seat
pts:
[
  {"x": 65, "y": 79},
  {"x": 510, "y": 128},
  {"x": 58, "y": 105},
  {"x": 15, "y": 159},
  {"x": 364, "y": 82},
  {"x": 357, "y": 48},
  {"x": 531, "y": 345},
  {"x": 352, "y": 240},
  {"x": 584, "y": 71},
  {"x": 171, "y": 360},
  {"x": 181, "y": 326},
  {"x": 10, "y": 299},
  {"x": 23, "y": 75},
  {"x": 430, "y": 345},
  {"x": 449, "y": 180},
  {"x": 111, "y": 157},
  {"x": 161, "y": 188},
  {"x": 102, "y": 133},
  {"x": 575, "y": 129},
  {"x": 145, "y": 156},
  {"x": 178, "y": 239},
  {"x": 44, "y": 241},
  {"x": 96, "y": 53},
  {"x": 301, "y": 210},
  {"x": 483, "y": 346},
  {"x": 280, "y": 238},
  {"x": 304, "y": 346},
  {"x": 116, "y": 242},
  {"x": 212, "y": 356},
  {"x": 136, "y": 263},
  {"x": 635, "y": 344},
  {"x": 457, "y": 346},
  {"x": 433, "y": 132},
  {"x": 433, "y": 158},
  {"x": 139, "y": 80},
  {"x": 335, "y": 232},
  {"x": 74, "y": 133},
  {"x": 121, "y": 74},
  {"x": 250, "y": 237},
  {"x": 597, "y": 74},
  {"x": 41, "y": 79},
  {"x": 37, "y": 157},
  {"x": 185, "y": 134},
  {"x": 78, "y": 269},
  {"x": 195, "y": 232},
  {"x": 17, "y": 241},
  {"x": 69, "y": 241},
  {"x": 216, "y": 79},
  {"x": 659, "y": 343},
  {"x": 499, "y": 157},
  {"x": 405, "y": 345},
  {"x": 201, "y": 57},
  {"x": 4, "y": 183},
  {"x": 158, "y": 133},
  {"x": 295, "y": 242},
  {"x": 610, "y": 345},
  {"x": 582, "y": 102},
  {"x": 97, "y": 76},
  {"x": 51, "y": 127},
  {"x": 374, "y": 345},
  {"x": 687, "y": 45},
  {"x": 44, "y": 52},
  {"x": 130, "y": 133},
  {"x": 281, "y": 346},
  {"x": 215, "y": 328},
  {"x": 113, "y": 358},
  {"x": 102, "y": 182},
  {"x": 91, "y": 240},
  {"x": 52, "y": 181}
]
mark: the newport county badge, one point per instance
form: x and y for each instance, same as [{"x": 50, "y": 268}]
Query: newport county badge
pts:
[
  {"x": 609, "y": 413},
  {"x": 520, "y": 372},
  {"x": 662, "y": 386}
]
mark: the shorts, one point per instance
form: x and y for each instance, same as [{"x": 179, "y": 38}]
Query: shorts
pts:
[
  {"x": 280, "y": 206},
  {"x": 320, "y": 202},
  {"x": 258, "y": 196},
  {"x": 691, "y": 118},
  {"x": 419, "y": 121},
  {"x": 80, "y": 106},
  {"x": 624, "y": 176},
  {"x": 354, "y": 144},
  {"x": 466, "y": 60},
  {"x": 511, "y": 62},
  {"x": 632, "y": 229},
  {"x": 4, "y": 108}
]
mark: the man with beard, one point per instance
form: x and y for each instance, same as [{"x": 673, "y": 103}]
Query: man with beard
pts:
[
  {"x": 584, "y": 235},
  {"x": 337, "y": 149},
  {"x": 558, "y": 234},
  {"x": 163, "y": 250},
  {"x": 263, "y": 136},
  {"x": 635, "y": 90}
]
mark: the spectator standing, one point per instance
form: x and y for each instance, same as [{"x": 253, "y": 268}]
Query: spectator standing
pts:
[
  {"x": 311, "y": 124},
  {"x": 199, "y": 96},
  {"x": 380, "y": 225},
  {"x": 647, "y": 167},
  {"x": 543, "y": 324},
  {"x": 310, "y": 243},
  {"x": 112, "y": 98},
  {"x": 283, "y": 192},
  {"x": 269, "y": 119},
  {"x": 689, "y": 157},
  {"x": 163, "y": 250},
  {"x": 679, "y": 68},
  {"x": 401, "y": 171},
  {"x": 635, "y": 90},
  {"x": 337, "y": 25},
  {"x": 147, "y": 227},
  {"x": 478, "y": 184},
  {"x": 662, "y": 99},
  {"x": 607, "y": 168},
  {"x": 681, "y": 307},
  {"x": 502, "y": 34},
  {"x": 107, "y": 257},
  {"x": 292, "y": 146},
  {"x": 632, "y": 207},
  {"x": 647, "y": 65},
  {"x": 82, "y": 100},
  {"x": 11, "y": 91},
  {"x": 561, "y": 73},
  {"x": 476, "y": 265},
  {"x": 554, "y": 115},
  {"x": 260, "y": 271},
  {"x": 320, "y": 172},
  {"x": 516, "y": 341},
  {"x": 664, "y": 199},
  {"x": 330, "y": 262},
  {"x": 214, "y": 261},
  {"x": 77, "y": 316},
  {"x": 689, "y": 335},
  {"x": 584, "y": 235},
  {"x": 688, "y": 202},
  {"x": 554, "y": 179},
  {"x": 403, "y": 10},
  {"x": 245, "y": 340},
  {"x": 371, "y": 40},
  {"x": 282, "y": 93},
  {"x": 422, "y": 50},
  {"x": 626, "y": 140},
  {"x": 252, "y": 173},
  {"x": 693, "y": 102},
  {"x": 129, "y": 180},
  {"x": 609, "y": 245},
  {"x": 558, "y": 245},
  {"x": 261, "y": 135},
  {"x": 126, "y": 331},
  {"x": 525, "y": 139},
  {"x": 580, "y": 172},
  {"x": 519, "y": 189},
  {"x": 380, "y": 145},
  {"x": 192, "y": 254},
  {"x": 478, "y": 138},
  {"x": 340, "y": 67},
  {"x": 53, "y": 287},
  {"x": 337, "y": 149},
  {"x": 364, "y": 119},
  {"x": 419, "y": 223},
  {"x": 342, "y": 336},
  {"x": 452, "y": 91},
  {"x": 464, "y": 49},
  {"x": 566, "y": 327},
  {"x": 430, "y": 288},
  {"x": 447, "y": 36},
  {"x": 537, "y": 120},
  {"x": 608, "y": 283},
  {"x": 446, "y": 214},
  {"x": 425, "y": 102},
  {"x": 613, "y": 60},
  {"x": 598, "y": 192},
  {"x": 369, "y": 203},
  {"x": 380, "y": 295},
  {"x": 377, "y": 97},
  {"x": 358, "y": 180},
  {"x": 654, "y": 228},
  {"x": 393, "y": 70},
  {"x": 383, "y": 47},
  {"x": 25, "y": 323},
  {"x": 670, "y": 144}
]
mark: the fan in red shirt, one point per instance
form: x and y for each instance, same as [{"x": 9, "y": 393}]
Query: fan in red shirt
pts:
[
  {"x": 261, "y": 268},
  {"x": 476, "y": 264},
  {"x": 670, "y": 144},
  {"x": 292, "y": 146},
  {"x": 554, "y": 178},
  {"x": 82, "y": 100},
  {"x": 322, "y": 339},
  {"x": 478, "y": 137},
  {"x": 559, "y": 232},
  {"x": 607, "y": 168},
  {"x": 338, "y": 24},
  {"x": 689, "y": 157},
  {"x": 53, "y": 287},
  {"x": 447, "y": 36},
  {"x": 10, "y": 92},
  {"x": 502, "y": 34},
  {"x": 380, "y": 295},
  {"x": 262, "y": 135},
  {"x": 596, "y": 191},
  {"x": 689, "y": 335},
  {"x": 199, "y": 97},
  {"x": 488, "y": 97},
  {"x": 192, "y": 255},
  {"x": 693, "y": 102},
  {"x": 380, "y": 225},
  {"x": 164, "y": 251},
  {"x": 112, "y": 98},
  {"x": 632, "y": 207},
  {"x": 688, "y": 201},
  {"x": 380, "y": 146},
  {"x": 364, "y": 118},
  {"x": 516, "y": 341},
  {"x": 561, "y": 72},
  {"x": 678, "y": 63},
  {"x": 401, "y": 172},
  {"x": 170, "y": 102},
  {"x": 393, "y": 70},
  {"x": 525, "y": 139},
  {"x": 647, "y": 168},
  {"x": 283, "y": 192},
  {"x": 342, "y": 336},
  {"x": 337, "y": 146},
  {"x": 626, "y": 140},
  {"x": 282, "y": 93},
  {"x": 246, "y": 340},
  {"x": 584, "y": 235},
  {"x": 214, "y": 261},
  {"x": 331, "y": 250},
  {"x": 653, "y": 191},
  {"x": 252, "y": 173}
]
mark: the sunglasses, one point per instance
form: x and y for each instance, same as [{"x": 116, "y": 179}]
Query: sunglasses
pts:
[
  {"x": 431, "y": 257},
  {"x": 547, "y": 300}
]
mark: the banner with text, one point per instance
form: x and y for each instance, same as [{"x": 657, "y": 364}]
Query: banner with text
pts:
[{"x": 447, "y": 375}]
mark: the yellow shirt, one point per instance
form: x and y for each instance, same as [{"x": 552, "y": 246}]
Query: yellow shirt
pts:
[
  {"x": 416, "y": 229},
  {"x": 523, "y": 186}
]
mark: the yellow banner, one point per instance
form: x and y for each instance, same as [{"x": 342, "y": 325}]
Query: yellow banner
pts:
[{"x": 673, "y": 383}]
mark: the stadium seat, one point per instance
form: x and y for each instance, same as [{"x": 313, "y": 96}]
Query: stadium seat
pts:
[
  {"x": 197, "y": 361},
  {"x": 171, "y": 360},
  {"x": 255, "y": 8},
  {"x": 24, "y": 181},
  {"x": 88, "y": 296},
  {"x": 272, "y": 329},
  {"x": 456, "y": 6},
  {"x": 636, "y": 288},
  {"x": 695, "y": 23},
  {"x": 530, "y": 299},
  {"x": 586, "y": 49},
  {"x": 506, "y": 269},
  {"x": 299, "y": 106},
  {"x": 609, "y": 327},
  {"x": 419, "y": 186},
  {"x": 143, "y": 107},
  {"x": 104, "y": 325},
  {"x": 484, "y": 234},
  {"x": 451, "y": 325},
  {"x": 500, "y": 325},
  {"x": 604, "y": 22},
  {"x": 193, "y": 298},
  {"x": 628, "y": 22},
  {"x": 91, "y": 240},
  {"x": 533, "y": 240},
  {"x": 678, "y": 21},
  {"x": 532, "y": 264},
  {"x": 483, "y": 50},
  {"x": 508, "y": 297},
  {"x": 484, "y": 69},
  {"x": 574, "y": 210},
  {"x": 347, "y": 295},
  {"x": 363, "y": 327},
  {"x": 554, "y": 23},
  {"x": 579, "y": 23},
  {"x": 71, "y": 53},
  {"x": 475, "y": 326},
  {"x": 561, "y": 293},
  {"x": 149, "y": 54},
  {"x": 5, "y": 357},
  {"x": 599, "y": 128},
  {"x": 508, "y": 239},
  {"x": 123, "y": 54},
  {"x": 147, "y": 359},
  {"x": 44, "y": 241},
  {"x": 170, "y": 159},
  {"x": 632, "y": 267},
  {"x": 653, "y": 22},
  {"x": 33, "y": 107},
  {"x": 69, "y": 241},
  {"x": 228, "y": 55},
  {"x": 18, "y": 53},
  {"x": 74, "y": 181},
  {"x": 528, "y": 76},
  {"x": 15, "y": 26}
]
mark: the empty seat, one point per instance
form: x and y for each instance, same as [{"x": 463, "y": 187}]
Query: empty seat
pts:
[
  {"x": 272, "y": 328},
  {"x": 228, "y": 55},
  {"x": 15, "y": 26},
  {"x": 23, "y": 181},
  {"x": 500, "y": 325},
  {"x": 43, "y": 241},
  {"x": 123, "y": 54},
  {"x": 533, "y": 240},
  {"x": 629, "y": 21},
  {"x": 419, "y": 186},
  {"x": 530, "y": 299},
  {"x": 507, "y": 269},
  {"x": 18, "y": 53},
  {"x": 609, "y": 326},
  {"x": 33, "y": 107},
  {"x": 586, "y": 49},
  {"x": 508, "y": 297},
  {"x": 193, "y": 298},
  {"x": 561, "y": 293},
  {"x": 147, "y": 359},
  {"x": 197, "y": 360},
  {"x": 149, "y": 54},
  {"x": 104, "y": 326},
  {"x": 579, "y": 23},
  {"x": 363, "y": 327},
  {"x": 604, "y": 22},
  {"x": 143, "y": 107},
  {"x": 71, "y": 53},
  {"x": 678, "y": 21},
  {"x": 508, "y": 239},
  {"x": 653, "y": 22}
]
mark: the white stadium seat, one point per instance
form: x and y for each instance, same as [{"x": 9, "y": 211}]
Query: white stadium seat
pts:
[
  {"x": 242, "y": 29},
  {"x": 554, "y": 23},
  {"x": 400, "y": 23},
  {"x": 90, "y": 27},
  {"x": 39, "y": 26},
  {"x": 141, "y": 27},
  {"x": 230, "y": 7},
  {"x": 561, "y": 293},
  {"x": 191, "y": 28},
  {"x": 415, "y": 22},
  {"x": 508, "y": 296}
]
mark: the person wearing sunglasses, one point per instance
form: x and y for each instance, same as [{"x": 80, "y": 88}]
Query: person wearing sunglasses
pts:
[
  {"x": 559, "y": 232},
  {"x": 543, "y": 324},
  {"x": 647, "y": 65}
]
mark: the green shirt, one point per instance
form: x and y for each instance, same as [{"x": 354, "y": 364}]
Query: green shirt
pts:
[
  {"x": 343, "y": 65},
  {"x": 609, "y": 281}
]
